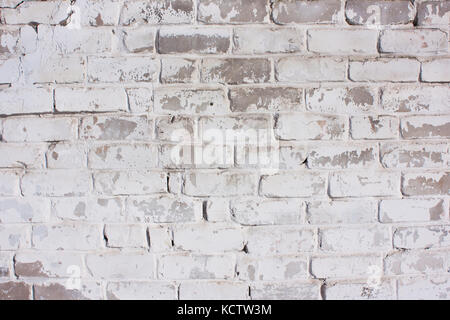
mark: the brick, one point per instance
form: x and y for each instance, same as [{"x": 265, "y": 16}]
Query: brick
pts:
[
  {"x": 160, "y": 238},
  {"x": 115, "y": 128},
  {"x": 5, "y": 264},
  {"x": 121, "y": 265},
  {"x": 29, "y": 100},
  {"x": 235, "y": 70},
  {"x": 139, "y": 40},
  {"x": 311, "y": 127},
  {"x": 266, "y": 40},
  {"x": 42, "y": 12},
  {"x": 53, "y": 290},
  {"x": 157, "y": 12},
  {"x": 267, "y": 211},
  {"x": 39, "y": 129},
  {"x": 126, "y": 236},
  {"x": 370, "y": 183},
  {"x": 208, "y": 238},
  {"x": 41, "y": 69},
  {"x": 133, "y": 290},
  {"x": 9, "y": 70},
  {"x": 414, "y": 155},
  {"x": 330, "y": 41},
  {"x": 91, "y": 100},
  {"x": 301, "y": 69},
  {"x": 377, "y": 127},
  {"x": 414, "y": 42},
  {"x": 138, "y": 182},
  {"x": 292, "y": 157},
  {"x": 342, "y": 212},
  {"x": 195, "y": 266},
  {"x": 383, "y": 69},
  {"x": 422, "y": 237},
  {"x": 307, "y": 12},
  {"x": 385, "y": 290},
  {"x": 416, "y": 262},
  {"x": 286, "y": 291},
  {"x": 435, "y": 288},
  {"x": 232, "y": 11},
  {"x": 252, "y": 99},
  {"x": 425, "y": 127},
  {"x": 140, "y": 100},
  {"x": 68, "y": 236},
  {"x": 193, "y": 40},
  {"x": 217, "y": 210},
  {"x": 344, "y": 266},
  {"x": 13, "y": 237},
  {"x": 435, "y": 70},
  {"x": 15, "y": 155},
  {"x": 357, "y": 239},
  {"x": 217, "y": 290},
  {"x": 433, "y": 13},
  {"x": 219, "y": 184},
  {"x": 67, "y": 156},
  {"x": 9, "y": 183},
  {"x": 371, "y": 12},
  {"x": 20, "y": 210},
  {"x": 99, "y": 12},
  {"x": 163, "y": 209},
  {"x": 129, "y": 69},
  {"x": 178, "y": 70},
  {"x": 291, "y": 185},
  {"x": 279, "y": 240},
  {"x": 16, "y": 41},
  {"x": 413, "y": 210},
  {"x": 338, "y": 156},
  {"x": 174, "y": 128},
  {"x": 182, "y": 100},
  {"x": 89, "y": 209},
  {"x": 415, "y": 99},
  {"x": 15, "y": 290},
  {"x": 56, "y": 183},
  {"x": 272, "y": 268},
  {"x": 46, "y": 265},
  {"x": 430, "y": 183},
  {"x": 123, "y": 156}
]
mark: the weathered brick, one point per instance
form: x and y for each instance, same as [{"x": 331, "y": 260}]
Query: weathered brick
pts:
[
  {"x": 92, "y": 99},
  {"x": 139, "y": 40},
  {"x": 235, "y": 70},
  {"x": 272, "y": 268},
  {"x": 46, "y": 265},
  {"x": 9, "y": 70},
  {"x": 134, "y": 290},
  {"x": 39, "y": 129},
  {"x": 195, "y": 266},
  {"x": 425, "y": 127},
  {"x": 424, "y": 99},
  {"x": 15, "y": 290},
  {"x": 430, "y": 183},
  {"x": 293, "y": 157},
  {"x": 6, "y": 259},
  {"x": 434, "y": 288},
  {"x": 121, "y": 265},
  {"x": 344, "y": 266},
  {"x": 160, "y": 238},
  {"x": 342, "y": 212},
  {"x": 67, "y": 156},
  {"x": 311, "y": 127},
  {"x": 384, "y": 290},
  {"x": 416, "y": 262},
  {"x": 9, "y": 183},
  {"x": 99, "y": 12},
  {"x": 285, "y": 290},
  {"x": 383, "y": 69},
  {"x": 422, "y": 237},
  {"x": 414, "y": 42},
  {"x": 330, "y": 41},
  {"x": 375, "y": 127},
  {"x": 301, "y": 11},
  {"x": 13, "y": 237},
  {"x": 217, "y": 290},
  {"x": 56, "y": 183},
  {"x": 414, "y": 155},
  {"x": 140, "y": 100},
  {"x": 357, "y": 239},
  {"x": 266, "y": 40},
  {"x": 369, "y": 183},
  {"x": 379, "y": 12},
  {"x": 280, "y": 240},
  {"x": 40, "y": 12},
  {"x": 119, "y": 69},
  {"x": 19, "y": 210},
  {"x": 25, "y": 100},
  {"x": 126, "y": 236},
  {"x": 436, "y": 70},
  {"x": 298, "y": 184},
  {"x": 251, "y": 99},
  {"x": 301, "y": 69},
  {"x": 413, "y": 210},
  {"x": 267, "y": 211},
  {"x": 233, "y": 11},
  {"x": 193, "y": 40},
  {"x": 433, "y": 13},
  {"x": 157, "y": 12},
  {"x": 41, "y": 69},
  {"x": 138, "y": 182},
  {"x": 15, "y": 155},
  {"x": 66, "y": 236},
  {"x": 173, "y": 128},
  {"x": 123, "y": 156},
  {"x": 178, "y": 70},
  {"x": 219, "y": 184},
  {"x": 16, "y": 41},
  {"x": 217, "y": 210},
  {"x": 59, "y": 290}
]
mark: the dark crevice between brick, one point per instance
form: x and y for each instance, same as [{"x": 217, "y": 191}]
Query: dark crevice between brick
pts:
[
  {"x": 105, "y": 237},
  {"x": 204, "y": 210}
]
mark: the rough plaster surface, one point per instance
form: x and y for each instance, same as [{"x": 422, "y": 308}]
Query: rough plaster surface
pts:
[{"x": 95, "y": 95}]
